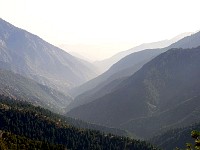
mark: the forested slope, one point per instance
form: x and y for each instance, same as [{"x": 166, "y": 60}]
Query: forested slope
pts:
[{"x": 37, "y": 123}]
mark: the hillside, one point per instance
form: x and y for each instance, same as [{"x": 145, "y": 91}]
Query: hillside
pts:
[
  {"x": 9, "y": 141},
  {"x": 180, "y": 115},
  {"x": 91, "y": 126},
  {"x": 107, "y": 63},
  {"x": 32, "y": 57},
  {"x": 124, "y": 68},
  {"x": 175, "y": 137},
  {"x": 94, "y": 93},
  {"x": 19, "y": 87},
  {"x": 39, "y": 124},
  {"x": 166, "y": 81}
]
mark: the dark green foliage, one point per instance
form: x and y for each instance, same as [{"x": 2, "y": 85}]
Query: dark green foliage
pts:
[
  {"x": 196, "y": 136},
  {"x": 9, "y": 141},
  {"x": 82, "y": 124},
  {"x": 39, "y": 124},
  {"x": 189, "y": 146}
]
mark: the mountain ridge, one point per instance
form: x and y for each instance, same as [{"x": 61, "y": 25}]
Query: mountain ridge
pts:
[
  {"x": 18, "y": 87},
  {"x": 128, "y": 66},
  {"x": 107, "y": 63},
  {"x": 32, "y": 57},
  {"x": 165, "y": 81}
]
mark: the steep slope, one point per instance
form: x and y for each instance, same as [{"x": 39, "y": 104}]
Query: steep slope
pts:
[
  {"x": 107, "y": 63},
  {"x": 166, "y": 81},
  {"x": 91, "y": 126},
  {"x": 180, "y": 115},
  {"x": 103, "y": 87},
  {"x": 134, "y": 61},
  {"x": 32, "y": 57},
  {"x": 187, "y": 42},
  {"x": 94, "y": 93},
  {"x": 126, "y": 67},
  {"x": 175, "y": 137},
  {"x": 37, "y": 123},
  {"x": 38, "y": 95},
  {"x": 19, "y": 87},
  {"x": 9, "y": 141}
]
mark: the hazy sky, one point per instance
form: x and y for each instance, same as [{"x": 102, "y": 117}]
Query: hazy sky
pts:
[{"x": 101, "y": 28}]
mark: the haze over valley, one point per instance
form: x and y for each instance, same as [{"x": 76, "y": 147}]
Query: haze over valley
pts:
[{"x": 118, "y": 75}]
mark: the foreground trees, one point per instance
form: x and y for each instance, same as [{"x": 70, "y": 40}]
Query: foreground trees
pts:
[
  {"x": 196, "y": 145},
  {"x": 38, "y": 124}
]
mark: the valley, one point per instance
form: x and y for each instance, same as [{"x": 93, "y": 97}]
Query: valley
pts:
[{"x": 144, "y": 98}]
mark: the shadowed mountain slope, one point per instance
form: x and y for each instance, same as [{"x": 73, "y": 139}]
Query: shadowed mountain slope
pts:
[
  {"x": 124, "y": 68},
  {"x": 175, "y": 137},
  {"x": 166, "y": 81}
]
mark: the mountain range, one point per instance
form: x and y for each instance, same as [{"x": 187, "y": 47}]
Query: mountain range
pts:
[
  {"x": 34, "y": 58},
  {"x": 124, "y": 68},
  {"x": 18, "y": 87},
  {"x": 151, "y": 94},
  {"x": 107, "y": 63},
  {"x": 168, "y": 80}
]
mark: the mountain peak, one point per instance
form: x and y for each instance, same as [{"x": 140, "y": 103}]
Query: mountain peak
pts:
[{"x": 29, "y": 55}]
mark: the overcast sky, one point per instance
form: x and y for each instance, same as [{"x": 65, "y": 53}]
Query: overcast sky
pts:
[{"x": 101, "y": 28}]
